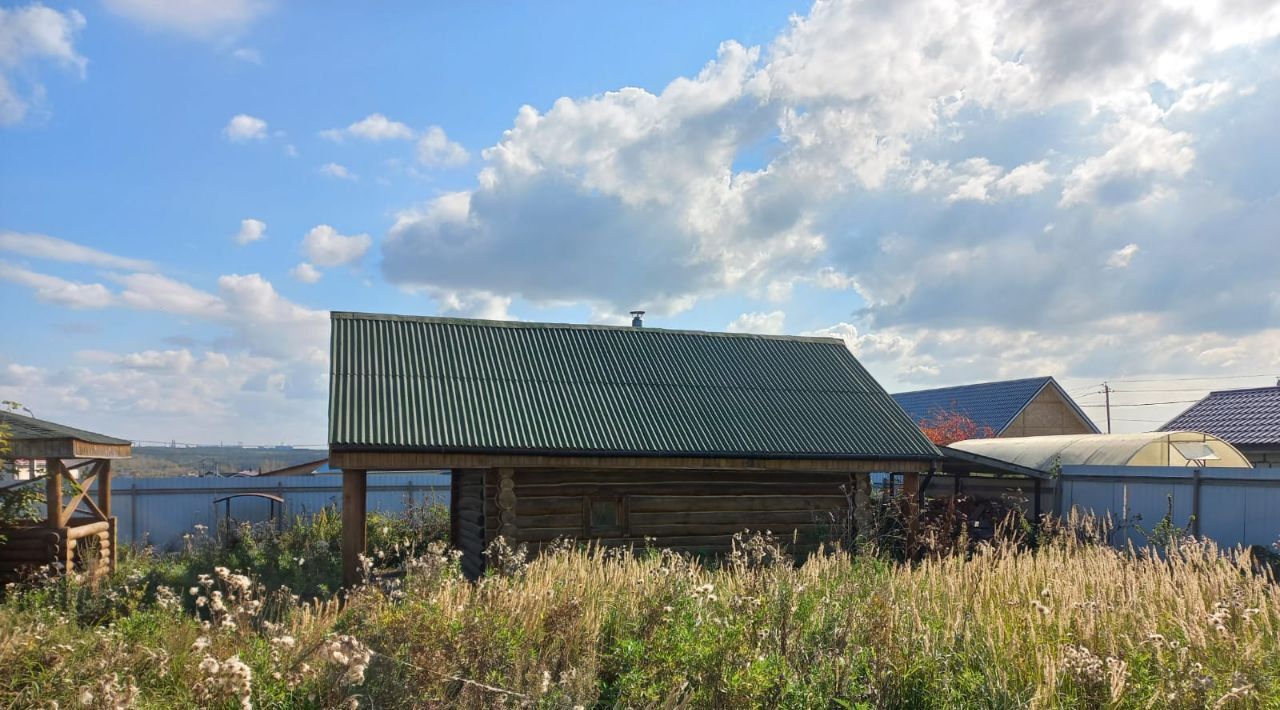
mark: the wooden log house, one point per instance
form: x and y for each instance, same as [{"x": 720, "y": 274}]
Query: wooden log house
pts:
[
  {"x": 77, "y": 532},
  {"x": 622, "y": 435}
]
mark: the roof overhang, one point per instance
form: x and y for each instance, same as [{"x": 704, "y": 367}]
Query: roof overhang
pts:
[
  {"x": 957, "y": 461},
  {"x": 67, "y": 448}
]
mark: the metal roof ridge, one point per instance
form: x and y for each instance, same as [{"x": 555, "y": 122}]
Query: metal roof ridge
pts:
[
  {"x": 977, "y": 384},
  {"x": 1242, "y": 390},
  {"x": 483, "y": 323}
]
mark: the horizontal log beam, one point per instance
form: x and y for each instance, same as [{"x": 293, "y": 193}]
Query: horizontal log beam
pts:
[
  {"x": 689, "y": 488},
  {"x": 676, "y": 503},
  {"x": 755, "y": 521},
  {"x": 591, "y": 475},
  {"x": 549, "y": 520},
  {"x": 85, "y": 530}
]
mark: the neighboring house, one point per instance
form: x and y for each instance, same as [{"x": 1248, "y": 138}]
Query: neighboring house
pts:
[
  {"x": 1036, "y": 406},
  {"x": 628, "y": 436},
  {"x": 1248, "y": 419}
]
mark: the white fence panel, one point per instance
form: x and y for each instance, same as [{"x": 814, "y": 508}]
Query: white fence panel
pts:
[{"x": 159, "y": 511}]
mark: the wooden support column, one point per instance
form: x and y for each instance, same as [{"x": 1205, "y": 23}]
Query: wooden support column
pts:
[
  {"x": 53, "y": 493},
  {"x": 507, "y": 505},
  {"x": 455, "y": 522},
  {"x": 104, "y": 488},
  {"x": 353, "y": 524},
  {"x": 862, "y": 517},
  {"x": 911, "y": 509}
]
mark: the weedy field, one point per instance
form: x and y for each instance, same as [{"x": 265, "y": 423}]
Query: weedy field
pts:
[{"x": 1064, "y": 623}]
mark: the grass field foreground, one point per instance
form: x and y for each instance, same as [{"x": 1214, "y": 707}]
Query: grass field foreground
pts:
[{"x": 1065, "y": 625}]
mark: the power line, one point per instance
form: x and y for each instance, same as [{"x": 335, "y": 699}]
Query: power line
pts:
[
  {"x": 1175, "y": 389},
  {"x": 1144, "y": 404},
  {"x": 1195, "y": 379}
]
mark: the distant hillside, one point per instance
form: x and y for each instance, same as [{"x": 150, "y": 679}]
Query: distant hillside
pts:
[{"x": 158, "y": 461}]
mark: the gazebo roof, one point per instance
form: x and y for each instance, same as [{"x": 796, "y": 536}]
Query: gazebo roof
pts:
[{"x": 32, "y": 438}]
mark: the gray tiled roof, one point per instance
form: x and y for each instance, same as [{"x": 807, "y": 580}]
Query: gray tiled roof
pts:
[
  {"x": 988, "y": 404},
  {"x": 1240, "y": 417},
  {"x": 444, "y": 384}
]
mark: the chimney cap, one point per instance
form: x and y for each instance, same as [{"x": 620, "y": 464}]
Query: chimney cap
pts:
[{"x": 637, "y": 319}]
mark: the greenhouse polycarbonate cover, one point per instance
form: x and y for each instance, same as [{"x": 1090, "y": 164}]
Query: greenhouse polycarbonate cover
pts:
[
  {"x": 1043, "y": 453},
  {"x": 442, "y": 384}
]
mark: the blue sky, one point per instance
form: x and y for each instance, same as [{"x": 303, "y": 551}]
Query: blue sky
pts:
[{"x": 963, "y": 191}]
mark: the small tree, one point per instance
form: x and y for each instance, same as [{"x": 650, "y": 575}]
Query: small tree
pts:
[
  {"x": 17, "y": 501},
  {"x": 947, "y": 426}
]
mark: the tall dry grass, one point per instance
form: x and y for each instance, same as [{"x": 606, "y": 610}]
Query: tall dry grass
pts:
[{"x": 1067, "y": 624}]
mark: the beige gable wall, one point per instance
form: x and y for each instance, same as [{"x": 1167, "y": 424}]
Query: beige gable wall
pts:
[{"x": 1049, "y": 413}]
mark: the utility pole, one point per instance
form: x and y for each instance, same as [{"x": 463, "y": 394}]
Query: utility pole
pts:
[{"x": 1106, "y": 391}]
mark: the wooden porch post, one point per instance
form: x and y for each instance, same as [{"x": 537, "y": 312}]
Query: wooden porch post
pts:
[
  {"x": 57, "y": 522},
  {"x": 104, "y": 488},
  {"x": 104, "y": 504},
  {"x": 353, "y": 524},
  {"x": 911, "y": 508},
  {"x": 862, "y": 517},
  {"x": 53, "y": 493}
]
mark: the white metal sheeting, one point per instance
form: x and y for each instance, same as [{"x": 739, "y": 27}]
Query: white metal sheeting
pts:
[{"x": 1149, "y": 449}]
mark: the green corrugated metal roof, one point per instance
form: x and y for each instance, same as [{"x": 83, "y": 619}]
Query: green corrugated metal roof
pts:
[
  {"x": 445, "y": 384},
  {"x": 30, "y": 428}
]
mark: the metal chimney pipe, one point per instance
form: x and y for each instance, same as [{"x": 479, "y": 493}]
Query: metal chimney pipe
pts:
[{"x": 637, "y": 319}]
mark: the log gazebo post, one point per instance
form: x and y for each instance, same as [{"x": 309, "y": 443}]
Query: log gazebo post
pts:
[{"x": 354, "y": 532}]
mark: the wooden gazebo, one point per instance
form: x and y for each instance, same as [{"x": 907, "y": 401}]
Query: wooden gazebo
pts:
[{"x": 77, "y": 533}]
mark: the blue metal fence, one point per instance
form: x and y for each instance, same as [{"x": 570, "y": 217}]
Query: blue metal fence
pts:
[{"x": 159, "y": 511}]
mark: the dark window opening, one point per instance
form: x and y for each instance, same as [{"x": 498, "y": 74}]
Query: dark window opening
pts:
[{"x": 605, "y": 516}]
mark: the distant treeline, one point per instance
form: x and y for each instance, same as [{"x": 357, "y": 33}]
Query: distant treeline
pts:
[{"x": 198, "y": 460}]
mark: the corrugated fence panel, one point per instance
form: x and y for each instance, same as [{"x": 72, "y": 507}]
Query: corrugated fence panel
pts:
[
  {"x": 1237, "y": 506},
  {"x": 159, "y": 511}
]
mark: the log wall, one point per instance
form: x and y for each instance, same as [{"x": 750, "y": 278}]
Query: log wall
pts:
[
  {"x": 87, "y": 546},
  {"x": 469, "y": 519},
  {"x": 688, "y": 511}
]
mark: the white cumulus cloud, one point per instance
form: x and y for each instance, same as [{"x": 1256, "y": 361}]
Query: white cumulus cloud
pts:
[
  {"x": 251, "y": 230},
  {"x": 306, "y": 273},
  {"x": 1120, "y": 258},
  {"x": 29, "y": 35},
  {"x": 771, "y": 323},
  {"x": 243, "y": 127},
  {"x": 324, "y": 246},
  {"x": 436, "y": 150},
  {"x": 374, "y": 127},
  {"x": 58, "y": 291},
  {"x": 198, "y": 18},
  {"x": 337, "y": 170}
]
